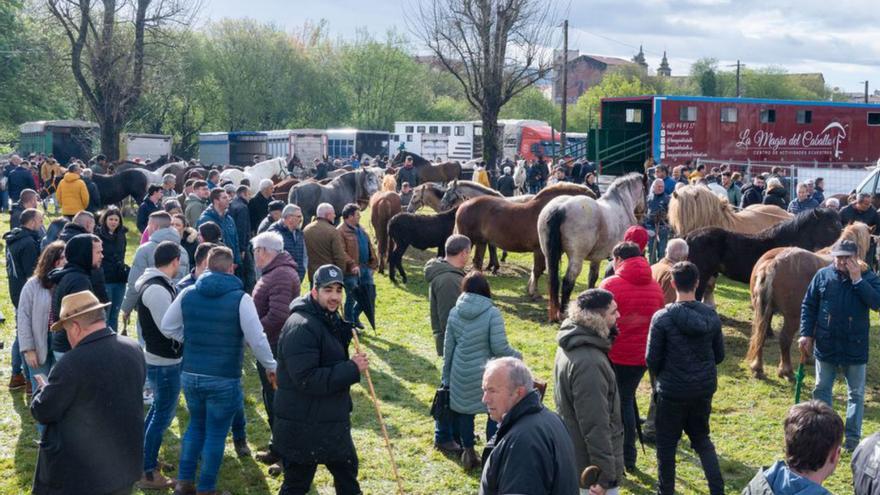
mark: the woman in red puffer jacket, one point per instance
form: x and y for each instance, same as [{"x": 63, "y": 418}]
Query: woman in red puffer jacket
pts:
[{"x": 638, "y": 297}]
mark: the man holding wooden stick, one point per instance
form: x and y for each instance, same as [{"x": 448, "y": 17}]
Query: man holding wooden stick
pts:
[{"x": 313, "y": 403}]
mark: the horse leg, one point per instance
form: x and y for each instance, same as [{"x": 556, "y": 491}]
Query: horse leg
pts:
[
  {"x": 503, "y": 255},
  {"x": 494, "y": 265},
  {"x": 575, "y": 265},
  {"x": 479, "y": 254},
  {"x": 594, "y": 274},
  {"x": 382, "y": 241},
  {"x": 538, "y": 266},
  {"x": 786, "y": 335},
  {"x": 394, "y": 262}
]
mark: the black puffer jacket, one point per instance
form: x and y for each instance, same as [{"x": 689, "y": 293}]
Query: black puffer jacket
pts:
[
  {"x": 685, "y": 346},
  {"x": 22, "y": 251},
  {"x": 312, "y": 404},
  {"x": 75, "y": 276},
  {"x": 776, "y": 197},
  {"x": 113, "y": 264}
]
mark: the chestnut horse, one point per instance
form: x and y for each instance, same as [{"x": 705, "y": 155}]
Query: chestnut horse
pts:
[
  {"x": 383, "y": 206},
  {"x": 430, "y": 172},
  {"x": 512, "y": 226},
  {"x": 778, "y": 284}
]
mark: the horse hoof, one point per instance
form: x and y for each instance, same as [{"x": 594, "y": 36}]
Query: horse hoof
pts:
[
  {"x": 758, "y": 374},
  {"x": 788, "y": 375}
]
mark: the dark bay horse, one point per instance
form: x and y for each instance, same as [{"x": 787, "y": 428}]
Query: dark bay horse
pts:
[
  {"x": 351, "y": 187},
  {"x": 420, "y": 231},
  {"x": 512, "y": 226},
  {"x": 430, "y": 172},
  {"x": 715, "y": 250},
  {"x": 115, "y": 188}
]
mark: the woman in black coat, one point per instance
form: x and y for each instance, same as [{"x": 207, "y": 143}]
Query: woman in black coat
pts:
[
  {"x": 112, "y": 233},
  {"x": 775, "y": 194}
]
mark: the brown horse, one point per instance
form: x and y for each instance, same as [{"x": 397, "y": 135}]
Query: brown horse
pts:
[
  {"x": 428, "y": 194},
  {"x": 383, "y": 206},
  {"x": 778, "y": 284},
  {"x": 512, "y": 226},
  {"x": 282, "y": 188},
  {"x": 430, "y": 172}
]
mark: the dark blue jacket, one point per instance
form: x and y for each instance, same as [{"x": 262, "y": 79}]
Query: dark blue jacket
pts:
[
  {"x": 836, "y": 314},
  {"x": 211, "y": 325},
  {"x": 796, "y": 206},
  {"x": 20, "y": 179},
  {"x": 147, "y": 207},
  {"x": 658, "y": 210},
  {"x": 227, "y": 226},
  {"x": 294, "y": 244}
]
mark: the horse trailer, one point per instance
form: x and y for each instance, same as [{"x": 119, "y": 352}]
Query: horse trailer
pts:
[
  {"x": 144, "y": 146},
  {"x": 444, "y": 140},
  {"x": 342, "y": 143},
  {"x": 232, "y": 148},
  {"x": 679, "y": 129},
  {"x": 65, "y": 139}
]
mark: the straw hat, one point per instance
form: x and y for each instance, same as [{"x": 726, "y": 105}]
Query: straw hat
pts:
[{"x": 76, "y": 304}]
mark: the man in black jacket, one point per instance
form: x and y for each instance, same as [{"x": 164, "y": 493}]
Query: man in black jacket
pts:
[
  {"x": 94, "y": 193},
  {"x": 532, "y": 452},
  {"x": 22, "y": 252},
  {"x": 28, "y": 199},
  {"x": 753, "y": 194},
  {"x": 407, "y": 173},
  {"x": 313, "y": 403},
  {"x": 92, "y": 407},
  {"x": 684, "y": 387},
  {"x": 83, "y": 253},
  {"x": 238, "y": 210},
  {"x": 258, "y": 206},
  {"x": 20, "y": 178},
  {"x": 506, "y": 185}
]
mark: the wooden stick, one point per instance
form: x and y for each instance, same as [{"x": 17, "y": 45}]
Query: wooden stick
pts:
[{"x": 357, "y": 348}]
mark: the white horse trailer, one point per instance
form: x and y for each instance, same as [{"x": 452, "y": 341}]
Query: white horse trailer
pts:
[
  {"x": 446, "y": 140},
  {"x": 145, "y": 146}
]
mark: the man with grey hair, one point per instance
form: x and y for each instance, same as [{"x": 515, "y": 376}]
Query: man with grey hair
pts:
[
  {"x": 258, "y": 206},
  {"x": 288, "y": 227},
  {"x": 661, "y": 272},
  {"x": 324, "y": 244},
  {"x": 804, "y": 200},
  {"x": 656, "y": 220},
  {"x": 532, "y": 451},
  {"x": 168, "y": 183},
  {"x": 94, "y": 193}
]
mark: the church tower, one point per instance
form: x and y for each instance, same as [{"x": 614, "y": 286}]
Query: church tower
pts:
[{"x": 664, "y": 70}]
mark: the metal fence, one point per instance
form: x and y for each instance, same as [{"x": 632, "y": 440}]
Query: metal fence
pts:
[{"x": 839, "y": 178}]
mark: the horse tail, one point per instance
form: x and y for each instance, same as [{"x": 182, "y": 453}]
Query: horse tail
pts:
[
  {"x": 553, "y": 250},
  {"x": 762, "y": 301}
]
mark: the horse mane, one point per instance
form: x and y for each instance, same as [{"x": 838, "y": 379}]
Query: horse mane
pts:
[
  {"x": 857, "y": 232},
  {"x": 694, "y": 207},
  {"x": 615, "y": 190},
  {"x": 479, "y": 187},
  {"x": 565, "y": 187},
  {"x": 791, "y": 228}
]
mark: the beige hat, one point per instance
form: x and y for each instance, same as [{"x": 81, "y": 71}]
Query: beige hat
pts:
[{"x": 74, "y": 305}]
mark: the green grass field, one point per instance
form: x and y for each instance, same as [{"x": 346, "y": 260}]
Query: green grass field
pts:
[{"x": 746, "y": 420}]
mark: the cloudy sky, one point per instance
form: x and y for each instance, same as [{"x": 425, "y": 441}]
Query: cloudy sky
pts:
[{"x": 840, "y": 39}]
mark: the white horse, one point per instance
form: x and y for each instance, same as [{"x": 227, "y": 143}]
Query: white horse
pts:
[
  {"x": 519, "y": 177},
  {"x": 256, "y": 173},
  {"x": 586, "y": 228}
]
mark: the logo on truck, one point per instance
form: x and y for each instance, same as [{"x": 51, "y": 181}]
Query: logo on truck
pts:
[{"x": 829, "y": 140}]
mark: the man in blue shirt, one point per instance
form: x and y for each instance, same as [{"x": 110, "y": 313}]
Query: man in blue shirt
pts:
[
  {"x": 804, "y": 201},
  {"x": 662, "y": 172}
]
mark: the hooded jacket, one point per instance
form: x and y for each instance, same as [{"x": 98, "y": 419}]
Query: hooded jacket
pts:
[
  {"x": 474, "y": 335},
  {"x": 193, "y": 208},
  {"x": 22, "y": 252},
  {"x": 313, "y": 403},
  {"x": 530, "y": 454},
  {"x": 638, "y": 297},
  {"x": 444, "y": 286},
  {"x": 113, "y": 264},
  {"x": 227, "y": 227},
  {"x": 780, "y": 480},
  {"x": 689, "y": 329},
  {"x": 586, "y": 394},
  {"x": 143, "y": 259},
  {"x": 751, "y": 195},
  {"x": 277, "y": 287},
  {"x": 75, "y": 276},
  {"x": 72, "y": 194},
  {"x": 776, "y": 196}
]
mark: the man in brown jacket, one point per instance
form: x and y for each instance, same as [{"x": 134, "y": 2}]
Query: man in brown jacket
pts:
[
  {"x": 324, "y": 245},
  {"x": 661, "y": 272},
  {"x": 360, "y": 261}
]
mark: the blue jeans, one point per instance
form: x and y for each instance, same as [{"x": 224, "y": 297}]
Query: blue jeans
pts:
[
  {"x": 212, "y": 402},
  {"x": 165, "y": 384},
  {"x": 17, "y": 361},
  {"x": 44, "y": 370},
  {"x": 116, "y": 292},
  {"x": 657, "y": 246},
  {"x": 352, "y": 310},
  {"x": 4, "y": 200},
  {"x": 465, "y": 424},
  {"x": 239, "y": 423},
  {"x": 854, "y": 374}
]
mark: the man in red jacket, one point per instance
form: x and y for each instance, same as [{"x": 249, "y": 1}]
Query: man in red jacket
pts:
[
  {"x": 278, "y": 285},
  {"x": 638, "y": 297}
]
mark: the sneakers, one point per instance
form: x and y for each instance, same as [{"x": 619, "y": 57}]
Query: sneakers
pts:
[
  {"x": 17, "y": 382},
  {"x": 450, "y": 447},
  {"x": 470, "y": 459},
  {"x": 241, "y": 447},
  {"x": 154, "y": 480}
]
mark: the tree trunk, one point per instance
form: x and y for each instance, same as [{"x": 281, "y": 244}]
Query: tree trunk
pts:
[
  {"x": 110, "y": 140},
  {"x": 490, "y": 136}
]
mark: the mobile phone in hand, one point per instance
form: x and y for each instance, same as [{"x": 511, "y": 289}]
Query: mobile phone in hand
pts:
[{"x": 41, "y": 380}]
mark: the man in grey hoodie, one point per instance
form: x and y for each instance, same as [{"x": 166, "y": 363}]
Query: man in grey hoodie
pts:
[
  {"x": 155, "y": 289},
  {"x": 160, "y": 222}
]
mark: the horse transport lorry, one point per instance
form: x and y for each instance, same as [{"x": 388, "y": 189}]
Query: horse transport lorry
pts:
[
  {"x": 306, "y": 144},
  {"x": 65, "y": 139},
  {"x": 342, "y": 143},
  {"x": 232, "y": 148},
  {"x": 144, "y": 146},
  {"x": 678, "y": 129}
]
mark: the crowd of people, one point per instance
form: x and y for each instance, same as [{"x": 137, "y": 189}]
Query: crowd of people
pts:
[{"x": 217, "y": 269}]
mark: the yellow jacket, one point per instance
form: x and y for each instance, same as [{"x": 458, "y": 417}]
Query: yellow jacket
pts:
[
  {"x": 72, "y": 194},
  {"x": 482, "y": 177}
]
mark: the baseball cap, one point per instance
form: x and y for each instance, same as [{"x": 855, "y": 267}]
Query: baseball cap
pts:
[
  {"x": 276, "y": 205},
  {"x": 327, "y": 275},
  {"x": 844, "y": 248}
]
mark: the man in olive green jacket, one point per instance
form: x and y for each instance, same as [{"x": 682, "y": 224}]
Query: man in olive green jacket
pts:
[
  {"x": 586, "y": 391},
  {"x": 444, "y": 277}
]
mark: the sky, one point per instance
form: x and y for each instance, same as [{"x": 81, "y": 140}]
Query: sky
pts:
[{"x": 841, "y": 39}]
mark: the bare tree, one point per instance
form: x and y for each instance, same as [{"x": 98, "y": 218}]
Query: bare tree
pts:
[
  {"x": 495, "y": 48},
  {"x": 108, "y": 41}
]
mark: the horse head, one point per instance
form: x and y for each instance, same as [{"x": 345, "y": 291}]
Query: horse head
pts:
[
  {"x": 368, "y": 182},
  {"x": 452, "y": 197},
  {"x": 417, "y": 200}
]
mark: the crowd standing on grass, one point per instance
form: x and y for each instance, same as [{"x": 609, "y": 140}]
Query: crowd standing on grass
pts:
[{"x": 217, "y": 269}]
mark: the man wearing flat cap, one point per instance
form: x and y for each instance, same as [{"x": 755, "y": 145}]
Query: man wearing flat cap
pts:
[
  {"x": 835, "y": 320},
  {"x": 92, "y": 406},
  {"x": 313, "y": 404}
]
